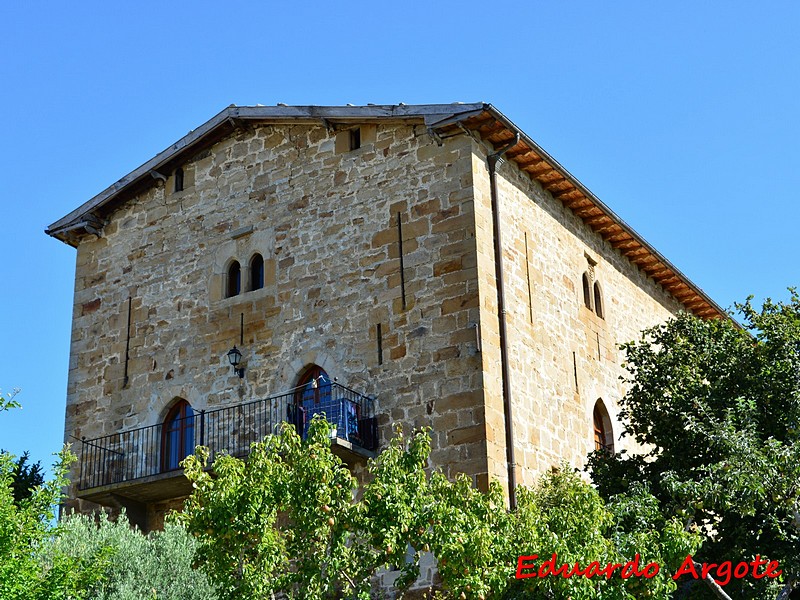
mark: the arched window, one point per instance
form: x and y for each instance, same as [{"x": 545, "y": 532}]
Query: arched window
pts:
[
  {"x": 313, "y": 385},
  {"x": 587, "y": 291},
  {"x": 256, "y": 272},
  {"x": 178, "y": 180},
  {"x": 312, "y": 396},
  {"x": 598, "y": 301},
  {"x": 603, "y": 436},
  {"x": 234, "y": 285},
  {"x": 177, "y": 435}
]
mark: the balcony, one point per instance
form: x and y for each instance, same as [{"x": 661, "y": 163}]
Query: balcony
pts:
[{"x": 141, "y": 466}]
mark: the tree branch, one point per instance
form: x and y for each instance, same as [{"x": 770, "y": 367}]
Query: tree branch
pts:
[
  {"x": 349, "y": 580},
  {"x": 713, "y": 585},
  {"x": 787, "y": 589}
]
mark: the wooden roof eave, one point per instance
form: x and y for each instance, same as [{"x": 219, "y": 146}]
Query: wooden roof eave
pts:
[
  {"x": 484, "y": 118},
  {"x": 548, "y": 171}
]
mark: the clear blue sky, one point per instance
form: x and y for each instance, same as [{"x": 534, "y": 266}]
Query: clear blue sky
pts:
[{"x": 681, "y": 116}]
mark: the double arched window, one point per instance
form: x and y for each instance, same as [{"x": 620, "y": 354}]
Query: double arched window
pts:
[
  {"x": 254, "y": 276},
  {"x": 177, "y": 435},
  {"x": 593, "y": 294}
]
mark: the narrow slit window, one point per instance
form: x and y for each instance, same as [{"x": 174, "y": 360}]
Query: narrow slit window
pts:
[
  {"x": 256, "y": 272},
  {"x": 234, "y": 280},
  {"x": 379, "y": 336},
  {"x": 355, "y": 138},
  {"x": 178, "y": 180}
]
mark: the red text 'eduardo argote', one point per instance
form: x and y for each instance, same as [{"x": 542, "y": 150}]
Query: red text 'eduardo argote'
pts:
[{"x": 722, "y": 573}]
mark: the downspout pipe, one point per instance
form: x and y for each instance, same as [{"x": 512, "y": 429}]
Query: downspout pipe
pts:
[{"x": 494, "y": 160}]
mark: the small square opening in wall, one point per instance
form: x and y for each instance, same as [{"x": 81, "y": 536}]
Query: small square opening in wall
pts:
[
  {"x": 355, "y": 138},
  {"x": 350, "y": 138}
]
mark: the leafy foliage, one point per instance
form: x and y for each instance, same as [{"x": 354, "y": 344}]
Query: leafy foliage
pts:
[
  {"x": 26, "y": 477},
  {"x": 718, "y": 410},
  {"x": 27, "y": 571},
  {"x": 478, "y": 541},
  {"x": 284, "y": 520},
  {"x": 291, "y": 520},
  {"x": 153, "y": 566}
]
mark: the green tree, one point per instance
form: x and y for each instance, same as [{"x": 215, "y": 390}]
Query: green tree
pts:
[
  {"x": 282, "y": 521},
  {"x": 717, "y": 409},
  {"x": 291, "y": 519},
  {"x": 26, "y": 477},
  {"x": 478, "y": 542},
  {"x": 27, "y": 570}
]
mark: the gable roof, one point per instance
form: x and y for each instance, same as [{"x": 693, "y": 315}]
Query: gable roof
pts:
[{"x": 441, "y": 120}]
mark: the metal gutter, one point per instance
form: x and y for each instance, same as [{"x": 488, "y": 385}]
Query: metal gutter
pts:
[{"x": 493, "y": 160}]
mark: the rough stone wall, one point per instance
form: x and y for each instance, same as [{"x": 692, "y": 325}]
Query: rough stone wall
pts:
[
  {"x": 324, "y": 219},
  {"x": 553, "y": 338}
]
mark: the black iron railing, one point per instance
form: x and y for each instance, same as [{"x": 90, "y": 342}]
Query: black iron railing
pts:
[{"x": 147, "y": 451}]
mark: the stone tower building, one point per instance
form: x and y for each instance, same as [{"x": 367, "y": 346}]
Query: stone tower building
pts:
[{"x": 428, "y": 265}]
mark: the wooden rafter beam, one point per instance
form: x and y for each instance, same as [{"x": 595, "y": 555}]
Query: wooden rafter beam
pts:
[
  {"x": 490, "y": 128},
  {"x": 538, "y": 168},
  {"x": 579, "y": 203},
  {"x": 479, "y": 120},
  {"x": 696, "y": 304},
  {"x": 606, "y": 229},
  {"x": 558, "y": 185},
  {"x": 683, "y": 293},
  {"x": 620, "y": 237},
  {"x": 633, "y": 253},
  {"x": 501, "y": 138},
  {"x": 523, "y": 156},
  {"x": 569, "y": 195},
  {"x": 596, "y": 219},
  {"x": 648, "y": 261},
  {"x": 661, "y": 274}
]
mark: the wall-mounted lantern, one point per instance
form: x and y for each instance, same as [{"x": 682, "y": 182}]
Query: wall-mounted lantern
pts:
[{"x": 235, "y": 358}]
